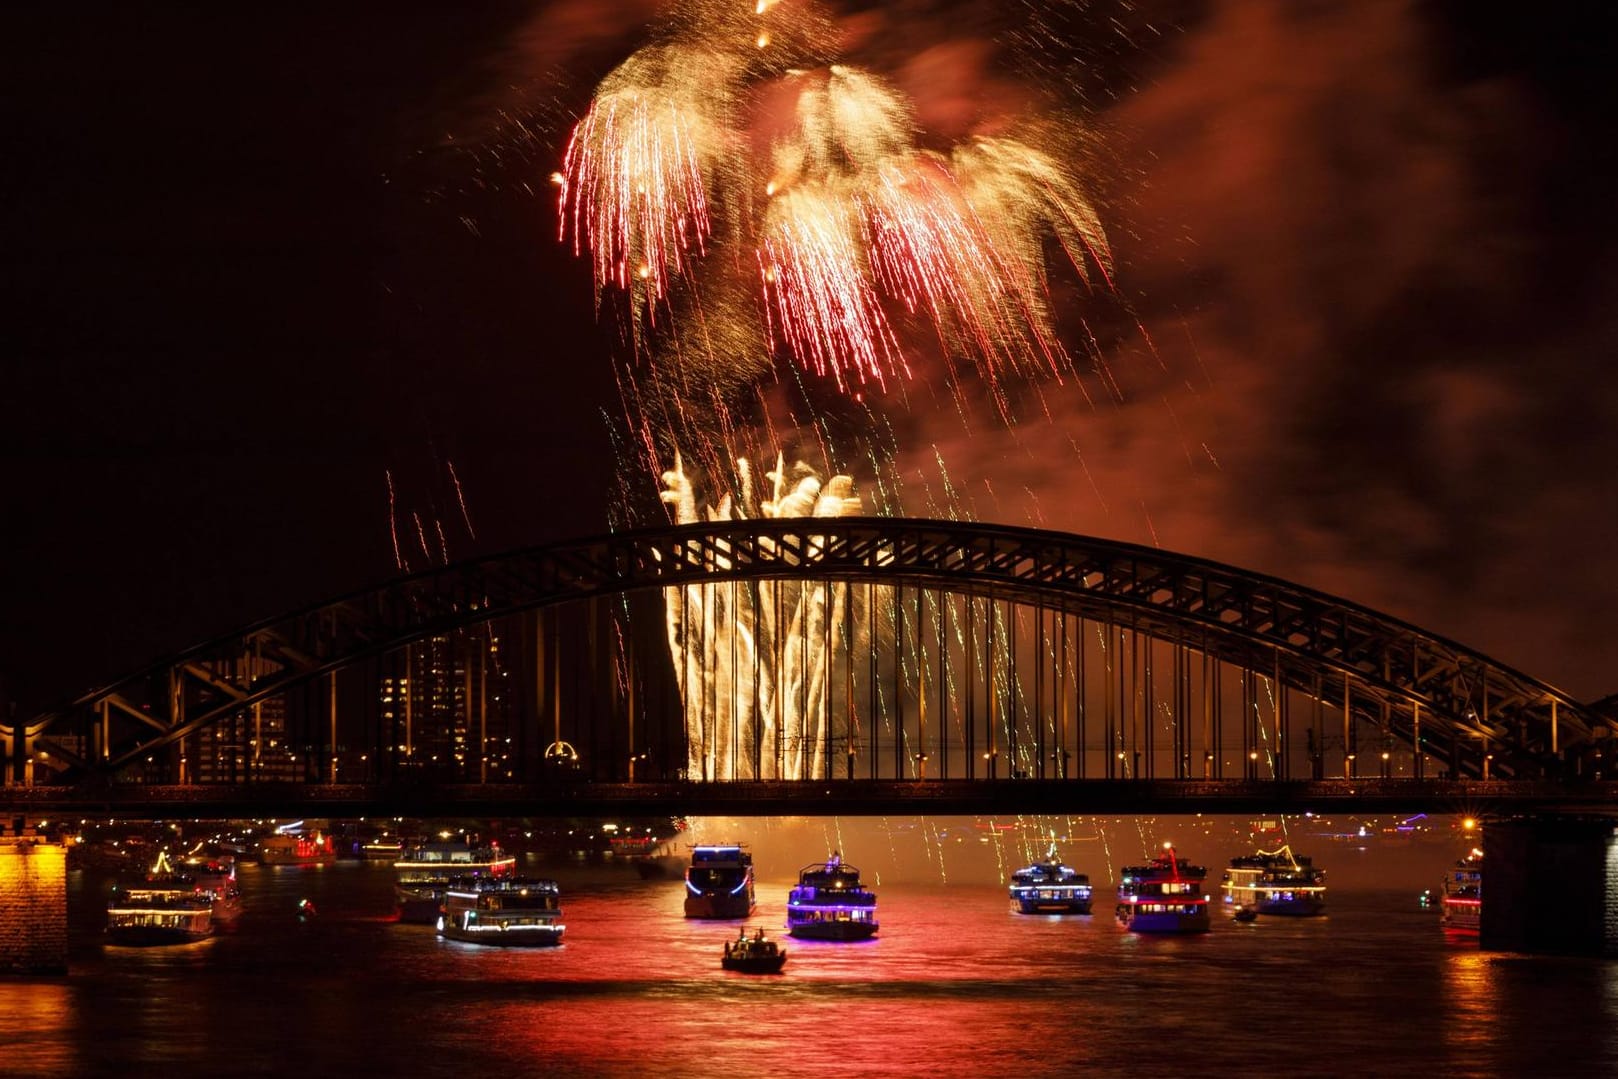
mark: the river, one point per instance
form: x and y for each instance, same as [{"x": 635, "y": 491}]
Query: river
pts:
[{"x": 955, "y": 985}]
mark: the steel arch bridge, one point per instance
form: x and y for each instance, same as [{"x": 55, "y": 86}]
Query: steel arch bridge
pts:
[{"x": 761, "y": 658}]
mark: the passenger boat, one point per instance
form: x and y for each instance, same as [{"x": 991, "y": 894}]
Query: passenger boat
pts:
[
  {"x": 719, "y": 882},
  {"x": 215, "y": 878},
  {"x": 425, "y": 870},
  {"x": 753, "y": 954},
  {"x": 1275, "y": 882},
  {"x": 288, "y": 849},
  {"x": 505, "y": 911},
  {"x": 1050, "y": 887},
  {"x": 1164, "y": 896},
  {"x": 382, "y": 849},
  {"x": 830, "y": 903},
  {"x": 166, "y": 908},
  {"x": 653, "y": 858},
  {"x": 1462, "y": 898}
]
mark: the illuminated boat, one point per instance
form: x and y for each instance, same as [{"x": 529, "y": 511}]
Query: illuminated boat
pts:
[
  {"x": 288, "y": 849},
  {"x": 215, "y": 879},
  {"x": 1462, "y": 899},
  {"x": 1164, "y": 896},
  {"x": 1050, "y": 887},
  {"x": 1275, "y": 882},
  {"x": 382, "y": 849},
  {"x": 719, "y": 882},
  {"x": 505, "y": 911},
  {"x": 165, "y": 909},
  {"x": 830, "y": 903},
  {"x": 753, "y": 954},
  {"x": 425, "y": 871}
]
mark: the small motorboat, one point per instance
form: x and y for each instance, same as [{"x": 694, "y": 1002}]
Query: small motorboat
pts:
[
  {"x": 1245, "y": 914},
  {"x": 752, "y": 954}
]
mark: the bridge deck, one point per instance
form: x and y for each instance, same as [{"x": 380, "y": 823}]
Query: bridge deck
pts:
[{"x": 822, "y": 798}]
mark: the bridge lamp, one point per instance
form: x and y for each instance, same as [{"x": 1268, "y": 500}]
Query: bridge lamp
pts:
[{"x": 1469, "y": 824}]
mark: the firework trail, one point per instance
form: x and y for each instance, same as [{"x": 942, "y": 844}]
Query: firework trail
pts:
[
  {"x": 847, "y": 219},
  {"x": 793, "y": 260}
]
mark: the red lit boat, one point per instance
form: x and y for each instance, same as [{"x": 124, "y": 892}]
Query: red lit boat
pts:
[
  {"x": 1463, "y": 896},
  {"x": 1165, "y": 896}
]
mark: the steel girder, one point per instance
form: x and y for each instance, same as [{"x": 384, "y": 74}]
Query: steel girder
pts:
[{"x": 1419, "y": 684}]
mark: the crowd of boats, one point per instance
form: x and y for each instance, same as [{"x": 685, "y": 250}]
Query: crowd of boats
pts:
[{"x": 474, "y": 894}]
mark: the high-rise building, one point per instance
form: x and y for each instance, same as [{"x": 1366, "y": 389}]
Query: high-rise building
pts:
[
  {"x": 249, "y": 745},
  {"x": 446, "y": 707}
]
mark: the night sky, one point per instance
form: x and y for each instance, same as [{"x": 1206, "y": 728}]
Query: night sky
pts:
[{"x": 256, "y": 262}]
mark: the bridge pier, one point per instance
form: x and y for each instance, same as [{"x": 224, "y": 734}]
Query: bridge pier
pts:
[
  {"x": 33, "y": 906},
  {"x": 1551, "y": 886}
]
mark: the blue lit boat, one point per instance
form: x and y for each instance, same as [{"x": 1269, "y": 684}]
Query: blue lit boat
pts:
[
  {"x": 1275, "y": 882},
  {"x": 719, "y": 882},
  {"x": 1050, "y": 887},
  {"x": 503, "y": 911},
  {"x": 830, "y": 903},
  {"x": 1165, "y": 896},
  {"x": 1462, "y": 898}
]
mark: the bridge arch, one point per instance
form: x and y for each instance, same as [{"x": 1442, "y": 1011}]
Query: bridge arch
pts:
[{"x": 1109, "y": 657}]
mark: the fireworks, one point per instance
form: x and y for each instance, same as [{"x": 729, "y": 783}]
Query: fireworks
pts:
[
  {"x": 636, "y": 176},
  {"x": 755, "y": 663},
  {"x": 850, "y": 223},
  {"x": 761, "y": 209}
]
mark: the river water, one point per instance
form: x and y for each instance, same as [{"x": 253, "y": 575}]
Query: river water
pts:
[{"x": 954, "y": 985}]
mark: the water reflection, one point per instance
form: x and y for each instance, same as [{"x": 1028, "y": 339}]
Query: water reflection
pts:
[{"x": 954, "y": 985}]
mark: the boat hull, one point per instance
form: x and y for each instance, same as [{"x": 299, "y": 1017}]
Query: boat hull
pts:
[
  {"x": 1291, "y": 908},
  {"x": 1156, "y": 922},
  {"x": 154, "y": 936},
  {"x": 833, "y": 930},
  {"x": 719, "y": 907},
  {"x": 1052, "y": 906},
  {"x": 763, "y": 965},
  {"x": 527, "y": 936},
  {"x": 1461, "y": 921}
]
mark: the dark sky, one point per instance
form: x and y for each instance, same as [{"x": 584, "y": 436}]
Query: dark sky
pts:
[{"x": 257, "y": 261}]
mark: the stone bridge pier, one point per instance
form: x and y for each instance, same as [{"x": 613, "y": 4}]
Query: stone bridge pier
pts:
[
  {"x": 1550, "y": 885},
  {"x": 33, "y": 905}
]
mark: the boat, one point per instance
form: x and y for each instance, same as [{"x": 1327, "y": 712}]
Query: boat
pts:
[
  {"x": 1275, "y": 882},
  {"x": 382, "y": 850},
  {"x": 285, "y": 848},
  {"x": 1163, "y": 896},
  {"x": 504, "y": 911},
  {"x": 215, "y": 878},
  {"x": 1245, "y": 914},
  {"x": 719, "y": 882},
  {"x": 653, "y": 858},
  {"x": 830, "y": 903},
  {"x": 165, "y": 908},
  {"x": 750, "y": 953},
  {"x": 425, "y": 870},
  {"x": 1462, "y": 898},
  {"x": 1050, "y": 887}
]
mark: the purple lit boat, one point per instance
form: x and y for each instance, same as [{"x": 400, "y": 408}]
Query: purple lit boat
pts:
[{"x": 830, "y": 903}]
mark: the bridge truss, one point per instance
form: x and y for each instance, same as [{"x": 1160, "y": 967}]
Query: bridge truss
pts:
[{"x": 921, "y": 651}]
